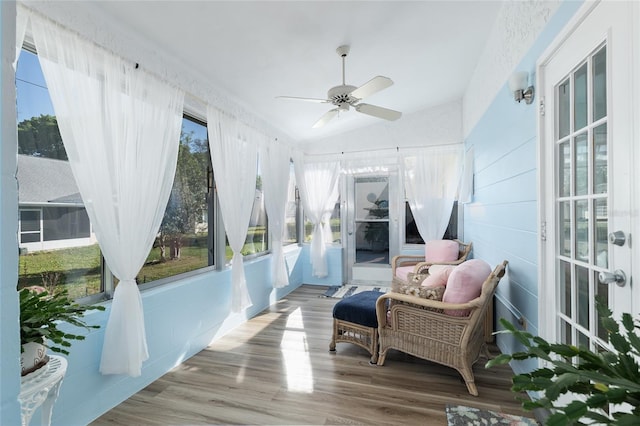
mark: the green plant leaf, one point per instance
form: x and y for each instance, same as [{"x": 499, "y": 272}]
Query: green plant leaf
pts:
[
  {"x": 619, "y": 343},
  {"x": 561, "y": 384},
  {"x": 576, "y": 409},
  {"x": 599, "y": 418},
  {"x": 499, "y": 360},
  {"x": 564, "y": 350},
  {"x": 597, "y": 400},
  {"x": 627, "y": 322},
  {"x": 542, "y": 372},
  {"x": 539, "y": 353},
  {"x": 557, "y": 419},
  {"x": 628, "y": 420}
]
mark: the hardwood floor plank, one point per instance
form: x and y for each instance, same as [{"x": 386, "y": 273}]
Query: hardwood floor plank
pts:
[{"x": 277, "y": 369}]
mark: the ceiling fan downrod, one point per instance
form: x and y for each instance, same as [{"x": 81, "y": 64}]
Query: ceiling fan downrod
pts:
[{"x": 343, "y": 51}]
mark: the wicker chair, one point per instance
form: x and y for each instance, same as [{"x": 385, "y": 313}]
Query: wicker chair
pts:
[
  {"x": 431, "y": 334},
  {"x": 420, "y": 266}
]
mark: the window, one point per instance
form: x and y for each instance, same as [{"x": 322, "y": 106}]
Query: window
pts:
[
  {"x": 257, "y": 236},
  {"x": 183, "y": 242},
  {"x": 334, "y": 223},
  {"x": 57, "y": 245},
  {"x": 291, "y": 211},
  {"x": 411, "y": 234},
  {"x": 257, "y": 239}
]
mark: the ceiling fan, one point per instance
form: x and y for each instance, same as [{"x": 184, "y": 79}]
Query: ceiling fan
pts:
[{"x": 346, "y": 96}]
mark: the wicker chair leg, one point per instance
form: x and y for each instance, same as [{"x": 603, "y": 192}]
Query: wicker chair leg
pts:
[
  {"x": 381, "y": 357},
  {"x": 469, "y": 380}
]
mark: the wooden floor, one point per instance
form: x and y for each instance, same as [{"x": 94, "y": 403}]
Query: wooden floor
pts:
[{"x": 276, "y": 369}]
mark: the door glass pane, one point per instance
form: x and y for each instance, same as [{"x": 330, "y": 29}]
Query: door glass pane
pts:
[
  {"x": 582, "y": 281},
  {"x": 600, "y": 159},
  {"x": 564, "y": 102},
  {"x": 601, "y": 233},
  {"x": 564, "y": 235},
  {"x": 600, "y": 84},
  {"x": 565, "y": 333},
  {"x": 582, "y": 230},
  {"x": 580, "y": 97},
  {"x": 372, "y": 219},
  {"x": 564, "y": 171},
  {"x": 565, "y": 288},
  {"x": 583, "y": 341},
  {"x": 602, "y": 293},
  {"x": 582, "y": 164}
]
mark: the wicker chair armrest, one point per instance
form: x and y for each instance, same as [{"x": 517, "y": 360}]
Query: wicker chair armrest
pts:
[
  {"x": 428, "y": 303},
  {"x": 404, "y": 259},
  {"x": 381, "y": 305}
]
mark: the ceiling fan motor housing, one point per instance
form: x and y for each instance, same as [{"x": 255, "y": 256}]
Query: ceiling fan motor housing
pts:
[{"x": 341, "y": 95}]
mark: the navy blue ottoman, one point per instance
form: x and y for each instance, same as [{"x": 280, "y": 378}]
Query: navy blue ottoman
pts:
[{"x": 355, "y": 321}]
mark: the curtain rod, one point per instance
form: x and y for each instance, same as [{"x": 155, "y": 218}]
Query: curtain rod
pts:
[{"x": 395, "y": 148}]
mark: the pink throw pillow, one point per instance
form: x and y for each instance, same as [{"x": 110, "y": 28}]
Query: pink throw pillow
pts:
[
  {"x": 465, "y": 284},
  {"x": 438, "y": 275},
  {"x": 437, "y": 251},
  {"x": 402, "y": 272}
]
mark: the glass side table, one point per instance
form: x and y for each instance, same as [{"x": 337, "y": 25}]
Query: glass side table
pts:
[{"x": 41, "y": 388}]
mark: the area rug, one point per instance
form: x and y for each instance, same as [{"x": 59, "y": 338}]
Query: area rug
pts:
[
  {"x": 460, "y": 415},
  {"x": 339, "y": 292}
]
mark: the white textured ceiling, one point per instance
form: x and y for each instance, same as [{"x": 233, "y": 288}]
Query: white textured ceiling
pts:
[{"x": 255, "y": 51}]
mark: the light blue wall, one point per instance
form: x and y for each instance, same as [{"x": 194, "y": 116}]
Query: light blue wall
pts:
[
  {"x": 9, "y": 336},
  {"x": 502, "y": 221},
  {"x": 334, "y": 264}
]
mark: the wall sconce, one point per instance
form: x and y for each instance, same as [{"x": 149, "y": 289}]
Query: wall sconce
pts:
[{"x": 518, "y": 86}]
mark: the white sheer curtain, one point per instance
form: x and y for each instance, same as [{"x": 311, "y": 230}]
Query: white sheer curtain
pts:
[
  {"x": 318, "y": 184},
  {"x": 121, "y": 130},
  {"x": 431, "y": 181},
  {"x": 234, "y": 155},
  {"x": 275, "y": 159},
  {"x": 22, "y": 19}
]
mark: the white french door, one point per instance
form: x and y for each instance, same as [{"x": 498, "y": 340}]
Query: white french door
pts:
[{"x": 587, "y": 180}]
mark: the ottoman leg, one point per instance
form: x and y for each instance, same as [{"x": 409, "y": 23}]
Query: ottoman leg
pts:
[{"x": 332, "y": 345}]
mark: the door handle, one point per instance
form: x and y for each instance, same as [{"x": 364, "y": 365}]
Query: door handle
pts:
[
  {"x": 618, "y": 277},
  {"x": 618, "y": 238}
]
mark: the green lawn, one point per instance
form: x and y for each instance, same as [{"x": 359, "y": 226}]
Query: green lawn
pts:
[{"x": 78, "y": 269}]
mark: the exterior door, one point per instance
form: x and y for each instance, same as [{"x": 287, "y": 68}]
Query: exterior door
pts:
[
  {"x": 586, "y": 191},
  {"x": 371, "y": 228}
]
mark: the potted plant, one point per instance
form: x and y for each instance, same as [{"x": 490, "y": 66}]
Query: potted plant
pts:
[
  {"x": 600, "y": 382},
  {"x": 40, "y": 315}
]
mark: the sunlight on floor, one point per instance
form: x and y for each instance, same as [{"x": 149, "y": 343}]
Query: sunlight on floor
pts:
[{"x": 295, "y": 353}]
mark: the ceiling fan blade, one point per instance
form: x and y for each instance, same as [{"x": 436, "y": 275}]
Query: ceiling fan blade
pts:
[
  {"x": 372, "y": 86},
  {"x": 376, "y": 111},
  {"x": 326, "y": 118},
  {"x": 293, "y": 98}
]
